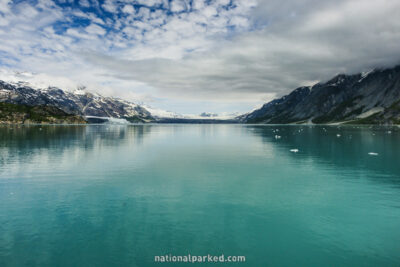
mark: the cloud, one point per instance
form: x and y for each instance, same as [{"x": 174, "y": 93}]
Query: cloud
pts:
[
  {"x": 177, "y": 6},
  {"x": 128, "y": 9},
  {"x": 95, "y": 29},
  {"x": 293, "y": 52},
  {"x": 84, "y": 3},
  {"x": 152, "y": 3},
  {"x": 5, "y": 6},
  {"x": 110, "y": 6},
  {"x": 220, "y": 51}
]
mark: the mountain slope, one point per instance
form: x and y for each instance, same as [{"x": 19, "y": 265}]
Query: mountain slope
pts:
[
  {"x": 372, "y": 98},
  {"x": 76, "y": 103},
  {"x": 12, "y": 113}
]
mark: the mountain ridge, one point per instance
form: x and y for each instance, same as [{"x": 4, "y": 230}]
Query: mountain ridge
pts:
[
  {"x": 363, "y": 98},
  {"x": 74, "y": 103},
  {"x": 95, "y": 107}
]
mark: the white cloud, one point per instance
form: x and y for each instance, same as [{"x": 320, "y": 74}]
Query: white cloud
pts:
[
  {"x": 5, "y": 6},
  {"x": 152, "y": 3},
  {"x": 178, "y": 6},
  {"x": 84, "y": 3},
  {"x": 109, "y": 6},
  {"x": 209, "y": 11},
  {"x": 95, "y": 29},
  {"x": 224, "y": 51},
  {"x": 128, "y": 9},
  {"x": 198, "y": 4},
  {"x": 269, "y": 61}
]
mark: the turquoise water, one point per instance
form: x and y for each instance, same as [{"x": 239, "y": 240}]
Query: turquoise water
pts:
[{"x": 120, "y": 195}]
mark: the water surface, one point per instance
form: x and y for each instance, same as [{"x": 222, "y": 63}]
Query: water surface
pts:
[{"x": 119, "y": 195}]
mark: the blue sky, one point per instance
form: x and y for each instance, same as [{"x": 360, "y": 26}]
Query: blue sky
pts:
[{"x": 191, "y": 56}]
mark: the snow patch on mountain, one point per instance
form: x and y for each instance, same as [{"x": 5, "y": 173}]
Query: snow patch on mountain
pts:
[{"x": 36, "y": 80}]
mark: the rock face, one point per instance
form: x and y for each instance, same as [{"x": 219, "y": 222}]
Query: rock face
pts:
[
  {"x": 77, "y": 103},
  {"x": 365, "y": 98}
]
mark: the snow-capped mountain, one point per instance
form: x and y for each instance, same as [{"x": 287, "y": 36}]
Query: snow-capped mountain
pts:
[
  {"x": 78, "y": 102},
  {"x": 370, "y": 98},
  {"x": 24, "y": 88},
  {"x": 160, "y": 114}
]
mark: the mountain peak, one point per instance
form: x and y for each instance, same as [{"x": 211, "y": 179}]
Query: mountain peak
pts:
[{"x": 368, "y": 97}]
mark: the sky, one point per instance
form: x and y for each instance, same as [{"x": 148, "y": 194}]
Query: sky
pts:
[{"x": 193, "y": 56}]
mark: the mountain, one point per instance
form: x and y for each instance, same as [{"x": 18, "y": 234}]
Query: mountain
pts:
[
  {"x": 78, "y": 103},
  {"x": 205, "y": 117},
  {"x": 208, "y": 115},
  {"x": 366, "y": 98},
  {"x": 23, "y": 90}
]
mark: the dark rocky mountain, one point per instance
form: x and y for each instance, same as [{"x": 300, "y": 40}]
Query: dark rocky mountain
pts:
[
  {"x": 74, "y": 103},
  {"x": 365, "y": 98}
]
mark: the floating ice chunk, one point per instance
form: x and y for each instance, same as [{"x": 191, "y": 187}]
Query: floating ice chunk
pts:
[
  {"x": 294, "y": 150},
  {"x": 338, "y": 135},
  {"x": 373, "y": 154},
  {"x": 277, "y": 137}
]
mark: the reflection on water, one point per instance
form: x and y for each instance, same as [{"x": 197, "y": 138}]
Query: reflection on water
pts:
[
  {"x": 119, "y": 195},
  {"x": 36, "y": 137},
  {"x": 340, "y": 147}
]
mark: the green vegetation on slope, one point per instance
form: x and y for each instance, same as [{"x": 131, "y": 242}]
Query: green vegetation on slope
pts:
[{"x": 12, "y": 113}]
